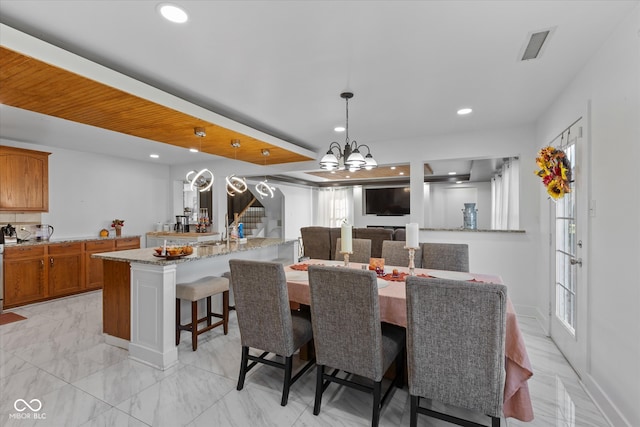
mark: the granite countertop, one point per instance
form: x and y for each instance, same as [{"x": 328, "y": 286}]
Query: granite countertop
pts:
[
  {"x": 55, "y": 240},
  {"x": 473, "y": 231},
  {"x": 200, "y": 251},
  {"x": 172, "y": 234}
]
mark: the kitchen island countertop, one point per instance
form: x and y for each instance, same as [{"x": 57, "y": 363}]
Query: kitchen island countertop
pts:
[
  {"x": 173, "y": 234},
  {"x": 200, "y": 251},
  {"x": 139, "y": 293}
]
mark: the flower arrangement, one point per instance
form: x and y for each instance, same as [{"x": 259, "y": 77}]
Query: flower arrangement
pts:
[
  {"x": 117, "y": 223},
  {"x": 555, "y": 171}
]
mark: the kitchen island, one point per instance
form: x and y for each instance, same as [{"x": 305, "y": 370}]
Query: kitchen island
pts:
[{"x": 139, "y": 309}]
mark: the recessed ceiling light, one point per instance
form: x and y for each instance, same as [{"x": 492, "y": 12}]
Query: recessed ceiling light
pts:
[
  {"x": 458, "y": 182},
  {"x": 333, "y": 171},
  {"x": 392, "y": 168},
  {"x": 193, "y": 150},
  {"x": 154, "y": 156},
  {"x": 464, "y": 111},
  {"x": 173, "y": 13},
  {"x": 339, "y": 128},
  {"x": 452, "y": 173},
  {"x": 401, "y": 173},
  {"x": 348, "y": 176}
]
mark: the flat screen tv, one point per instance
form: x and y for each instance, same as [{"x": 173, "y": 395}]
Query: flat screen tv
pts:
[{"x": 387, "y": 201}]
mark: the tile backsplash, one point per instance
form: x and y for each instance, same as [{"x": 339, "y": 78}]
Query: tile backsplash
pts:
[{"x": 18, "y": 218}]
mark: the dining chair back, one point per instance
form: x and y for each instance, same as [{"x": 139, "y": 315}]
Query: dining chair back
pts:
[
  {"x": 445, "y": 256},
  {"x": 395, "y": 253},
  {"x": 348, "y": 334},
  {"x": 316, "y": 242},
  {"x": 377, "y": 235},
  {"x": 400, "y": 234},
  {"x": 455, "y": 346},
  {"x": 265, "y": 319},
  {"x": 361, "y": 250}
]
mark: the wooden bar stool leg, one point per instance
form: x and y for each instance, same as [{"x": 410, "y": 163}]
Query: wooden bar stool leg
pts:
[
  {"x": 177, "y": 321},
  {"x": 208, "y": 311},
  {"x": 225, "y": 311},
  {"x": 194, "y": 325}
]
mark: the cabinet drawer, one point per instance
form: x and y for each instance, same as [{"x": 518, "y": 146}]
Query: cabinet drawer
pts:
[
  {"x": 128, "y": 243},
  {"x": 99, "y": 245},
  {"x": 65, "y": 248},
  {"x": 16, "y": 252}
]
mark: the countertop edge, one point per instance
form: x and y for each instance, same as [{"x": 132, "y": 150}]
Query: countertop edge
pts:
[
  {"x": 474, "y": 231},
  {"x": 67, "y": 240},
  {"x": 145, "y": 255}
]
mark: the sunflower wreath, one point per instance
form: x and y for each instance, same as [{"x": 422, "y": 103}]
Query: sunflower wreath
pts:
[{"x": 555, "y": 171}]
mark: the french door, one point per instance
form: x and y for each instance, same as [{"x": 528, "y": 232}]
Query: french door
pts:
[{"x": 569, "y": 216}]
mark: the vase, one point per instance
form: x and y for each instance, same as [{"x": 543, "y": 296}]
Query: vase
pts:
[
  {"x": 469, "y": 216},
  {"x": 118, "y": 230}
]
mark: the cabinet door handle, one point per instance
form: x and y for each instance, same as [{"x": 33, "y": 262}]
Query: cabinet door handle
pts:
[
  {"x": 51, "y": 261},
  {"x": 41, "y": 263}
]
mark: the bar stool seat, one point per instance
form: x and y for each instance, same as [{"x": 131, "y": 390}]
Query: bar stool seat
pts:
[{"x": 195, "y": 291}]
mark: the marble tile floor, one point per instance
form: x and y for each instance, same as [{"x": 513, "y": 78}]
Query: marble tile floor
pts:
[{"x": 58, "y": 356}]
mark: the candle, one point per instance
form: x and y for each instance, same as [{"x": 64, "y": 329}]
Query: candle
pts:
[
  {"x": 412, "y": 235},
  {"x": 346, "y": 238}
]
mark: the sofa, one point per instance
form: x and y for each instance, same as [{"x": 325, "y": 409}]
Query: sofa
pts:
[{"x": 320, "y": 242}]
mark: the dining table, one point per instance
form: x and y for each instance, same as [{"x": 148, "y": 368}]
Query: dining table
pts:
[{"x": 393, "y": 309}]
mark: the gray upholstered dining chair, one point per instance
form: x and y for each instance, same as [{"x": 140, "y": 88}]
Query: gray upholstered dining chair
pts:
[
  {"x": 348, "y": 334},
  {"x": 361, "y": 250},
  {"x": 265, "y": 320},
  {"x": 316, "y": 242},
  {"x": 455, "y": 346},
  {"x": 394, "y": 253},
  {"x": 445, "y": 256}
]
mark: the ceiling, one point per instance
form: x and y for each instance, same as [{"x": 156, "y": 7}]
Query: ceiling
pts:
[{"x": 278, "y": 67}]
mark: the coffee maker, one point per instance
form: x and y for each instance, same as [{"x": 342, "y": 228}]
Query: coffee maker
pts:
[
  {"x": 9, "y": 234},
  {"x": 182, "y": 224}
]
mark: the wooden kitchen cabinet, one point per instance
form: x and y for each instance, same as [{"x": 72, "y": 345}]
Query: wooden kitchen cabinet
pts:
[
  {"x": 34, "y": 273},
  {"x": 25, "y": 273},
  {"x": 66, "y": 269},
  {"x": 24, "y": 180},
  {"x": 125, "y": 243},
  {"x": 116, "y": 300},
  {"x": 93, "y": 266}
]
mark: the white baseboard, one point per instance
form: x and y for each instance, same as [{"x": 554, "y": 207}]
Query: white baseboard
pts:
[{"x": 608, "y": 409}]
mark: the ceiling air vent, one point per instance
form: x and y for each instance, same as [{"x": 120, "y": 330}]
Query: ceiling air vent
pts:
[{"x": 532, "y": 50}]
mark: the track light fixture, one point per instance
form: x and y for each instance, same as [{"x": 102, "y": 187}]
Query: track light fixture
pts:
[
  {"x": 263, "y": 188},
  {"x": 235, "y": 184}
]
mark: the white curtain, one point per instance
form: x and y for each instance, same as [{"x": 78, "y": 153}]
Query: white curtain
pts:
[
  {"x": 335, "y": 205},
  {"x": 505, "y": 196}
]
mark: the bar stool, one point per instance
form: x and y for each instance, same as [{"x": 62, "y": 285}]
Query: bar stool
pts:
[{"x": 204, "y": 287}]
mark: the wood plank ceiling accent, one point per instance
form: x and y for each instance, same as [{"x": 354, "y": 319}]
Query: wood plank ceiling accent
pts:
[
  {"x": 381, "y": 172},
  {"x": 33, "y": 85}
]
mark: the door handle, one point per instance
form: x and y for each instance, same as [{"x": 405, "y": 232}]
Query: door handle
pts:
[{"x": 575, "y": 261}]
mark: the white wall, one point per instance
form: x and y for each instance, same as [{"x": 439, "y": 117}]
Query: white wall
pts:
[
  {"x": 611, "y": 81},
  {"x": 298, "y": 208},
  {"x": 87, "y": 191}
]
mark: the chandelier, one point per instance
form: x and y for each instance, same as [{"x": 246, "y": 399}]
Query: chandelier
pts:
[
  {"x": 235, "y": 184},
  {"x": 263, "y": 188},
  {"x": 349, "y": 157}
]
